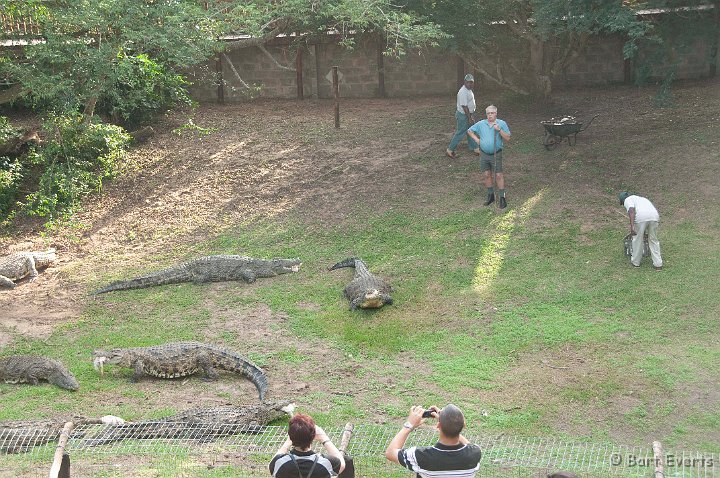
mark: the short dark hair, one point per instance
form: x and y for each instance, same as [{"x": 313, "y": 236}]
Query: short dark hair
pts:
[
  {"x": 301, "y": 430},
  {"x": 451, "y": 420}
]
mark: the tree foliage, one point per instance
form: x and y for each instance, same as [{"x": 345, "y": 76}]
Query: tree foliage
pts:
[
  {"x": 524, "y": 44},
  {"x": 94, "y": 52},
  {"x": 124, "y": 56}
]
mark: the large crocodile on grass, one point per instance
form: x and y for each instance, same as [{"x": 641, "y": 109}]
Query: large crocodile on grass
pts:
[
  {"x": 366, "y": 290},
  {"x": 33, "y": 368},
  {"x": 180, "y": 359},
  {"x": 19, "y": 436},
  {"x": 22, "y": 264},
  {"x": 202, "y": 424},
  {"x": 210, "y": 269}
]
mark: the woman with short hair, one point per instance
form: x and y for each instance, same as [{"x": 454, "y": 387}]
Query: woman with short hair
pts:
[{"x": 296, "y": 459}]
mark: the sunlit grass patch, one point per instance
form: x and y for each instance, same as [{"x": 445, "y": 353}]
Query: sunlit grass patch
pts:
[{"x": 493, "y": 253}]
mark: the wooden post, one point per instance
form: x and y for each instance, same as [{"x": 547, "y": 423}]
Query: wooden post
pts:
[
  {"x": 298, "y": 73},
  {"x": 220, "y": 82},
  {"x": 659, "y": 460},
  {"x": 381, "y": 72},
  {"x": 65, "y": 467},
  {"x": 346, "y": 435},
  {"x": 349, "y": 471},
  {"x": 60, "y": 450},
  {"x": 336, "y": 94},
  {"x": 318, "y": 78},
  {"x": 627, "y": 71}
]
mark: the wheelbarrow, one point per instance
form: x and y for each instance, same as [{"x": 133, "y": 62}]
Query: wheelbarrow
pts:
[
  {"x": 556, "y": 130},
  {"x": 627, "y": 245}
]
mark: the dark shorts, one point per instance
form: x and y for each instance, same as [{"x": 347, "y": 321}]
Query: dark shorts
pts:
[{"x": 487, "y": 161}]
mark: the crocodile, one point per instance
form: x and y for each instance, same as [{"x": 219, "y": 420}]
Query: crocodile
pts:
[
  {"x": 22, "y": 264},
  {"x": 365, "y": 290},
  {"x": 33, "y": 368},
  {"x": 209, "y": 269},
  {"x": 202, "y": 424},
  {"x": 180, "y": 359},
  {"x": 19, "y": 436}
]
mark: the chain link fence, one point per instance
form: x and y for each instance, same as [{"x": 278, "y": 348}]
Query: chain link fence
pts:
[{"x": 165, "y": 449}]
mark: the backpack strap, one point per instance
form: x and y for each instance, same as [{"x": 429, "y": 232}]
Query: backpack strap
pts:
[{"x": 312, "y": 468}]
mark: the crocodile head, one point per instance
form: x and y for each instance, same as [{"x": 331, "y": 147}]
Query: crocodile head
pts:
[
  {"x": 64, "y": 379},
  {"x": 280, "y": 407},
  {"x": 114, "y": 357},
  {"x": 285, "y": 266},
  {"x": 374, "y": 299},
  {"x": 44, "y": 259}
]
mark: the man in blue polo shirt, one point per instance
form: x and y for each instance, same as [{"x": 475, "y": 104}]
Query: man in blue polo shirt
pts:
[
  {"x": 452, "y": 455},
  {"x": 492, "y": 134}
]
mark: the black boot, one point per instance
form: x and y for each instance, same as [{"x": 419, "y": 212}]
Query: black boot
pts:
[
  {"x": 503, "y": 203},
  {"x": 490, "y": 199}
]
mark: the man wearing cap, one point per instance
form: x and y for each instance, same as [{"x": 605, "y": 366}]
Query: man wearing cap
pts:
[
  {"x": 644, "y": 219},
  {"x": 464, "y": 116},
  {"x": 452, "y": 455}
]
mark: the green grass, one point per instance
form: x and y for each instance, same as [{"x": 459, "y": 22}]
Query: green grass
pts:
[{"x": 486, "y": 305}]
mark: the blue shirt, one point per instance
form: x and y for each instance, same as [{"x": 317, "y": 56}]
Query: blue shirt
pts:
[{"x": 486, "y": 132}]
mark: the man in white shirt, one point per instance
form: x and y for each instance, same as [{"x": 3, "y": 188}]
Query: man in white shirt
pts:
[
  {"x": 644, "y": 219},
  {"x": 464, "y": 116}
]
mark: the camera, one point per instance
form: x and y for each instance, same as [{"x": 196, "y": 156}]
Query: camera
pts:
[{"x": 427, "y": 413}]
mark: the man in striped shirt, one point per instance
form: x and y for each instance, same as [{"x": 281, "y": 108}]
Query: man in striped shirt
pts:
[{"x": 452, "y": 456}]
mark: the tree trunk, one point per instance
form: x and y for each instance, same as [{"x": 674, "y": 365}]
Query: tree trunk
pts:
[
  {"x": 539, "y": 64},
  {"x": 89, "y": 110}
]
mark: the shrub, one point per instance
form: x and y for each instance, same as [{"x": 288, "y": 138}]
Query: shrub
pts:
[
  {"x": 142, "y": 88},
  {"x": 10, "y": 179},
  {"x": 10, "y": 170},
  {"x": 73, "y": 163}
]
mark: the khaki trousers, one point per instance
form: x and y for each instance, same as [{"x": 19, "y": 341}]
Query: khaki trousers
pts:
[{"x": 649, "y": 227}]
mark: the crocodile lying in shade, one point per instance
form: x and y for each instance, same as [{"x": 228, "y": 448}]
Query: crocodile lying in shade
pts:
[
  {"x": 210, "y": 269},
  {"x": 202, "y": 424},
  {"x": 366, "y": 290},
  {"x": 19, "y": 436},
  {"x": 180, "y": 359},
  {"x": 22, "y": 264},
  {"x": 33, "y": 368}
]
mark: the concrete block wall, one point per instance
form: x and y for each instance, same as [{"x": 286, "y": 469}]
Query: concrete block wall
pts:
[
  {"x": 420, "y": 72},
  {"x": 693, "y": 62},
  {"x": 601, "y": 63}
]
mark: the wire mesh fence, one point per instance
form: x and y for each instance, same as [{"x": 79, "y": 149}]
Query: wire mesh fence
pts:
[{"x": 166, "y": 449}]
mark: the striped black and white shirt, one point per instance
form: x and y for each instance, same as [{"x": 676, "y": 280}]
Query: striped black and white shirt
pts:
[
  {"x": 282, "y": 466},
  {"x": 445, "y": 461}
]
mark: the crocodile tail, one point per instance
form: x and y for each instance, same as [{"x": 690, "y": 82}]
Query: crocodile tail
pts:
[
  {"x": 172, "y": 275},
  {"x": 349, "y": 262},
  {"x": 233, "y": 362}
]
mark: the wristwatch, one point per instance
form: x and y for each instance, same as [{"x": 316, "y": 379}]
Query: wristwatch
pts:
[{"x": 408, "y": 425}]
